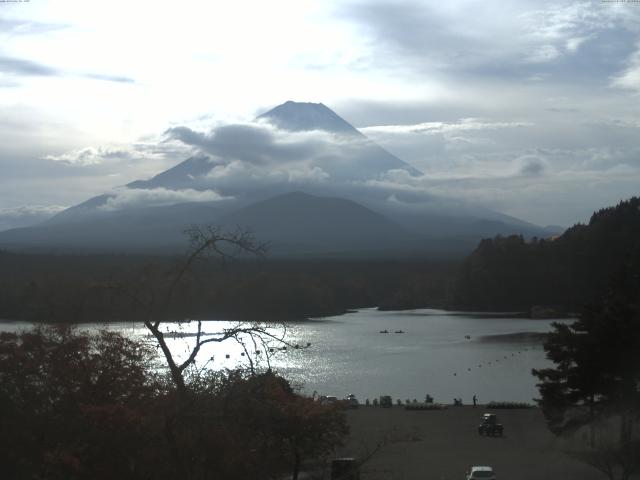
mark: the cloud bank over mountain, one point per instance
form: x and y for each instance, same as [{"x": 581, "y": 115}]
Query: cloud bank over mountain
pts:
[
  {"x": 125, "y": 198},
  {"x": 299, "y": 176},
  {"x": 260, "y": 157},
  {"x": 260, "y": 143},
  {"x": 25, "y": 215}
]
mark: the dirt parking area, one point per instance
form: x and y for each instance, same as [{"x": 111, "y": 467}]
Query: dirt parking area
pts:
[{"x": 442, "y": 444}]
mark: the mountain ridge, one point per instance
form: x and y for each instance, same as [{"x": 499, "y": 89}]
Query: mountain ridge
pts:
[
  {"x": 306, "y": 116},
  {"x": 352, "y": 170}
]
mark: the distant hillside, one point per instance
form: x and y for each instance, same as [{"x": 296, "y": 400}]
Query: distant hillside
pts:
[
  {"x": 71, "y": 288},
  {"x": 292, "y": 224},
  {"x": 510, "y": 273},
  {"x": 299, "y": 223}
]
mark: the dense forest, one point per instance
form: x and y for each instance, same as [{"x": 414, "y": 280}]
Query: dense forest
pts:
[
  {"x": 502, "y": 274},
  {"x": 86, "y": 288},
  {"x": 563, "y": 273}
]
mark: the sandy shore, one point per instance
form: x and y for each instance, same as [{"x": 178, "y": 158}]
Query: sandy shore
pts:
[{"x": 442, "y": 445}]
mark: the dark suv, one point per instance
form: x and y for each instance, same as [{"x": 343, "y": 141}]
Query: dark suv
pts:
[{"x": 489, "y": 425}]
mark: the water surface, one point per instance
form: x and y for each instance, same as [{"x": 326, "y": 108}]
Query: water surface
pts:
[{"x": 348, "y": 354}]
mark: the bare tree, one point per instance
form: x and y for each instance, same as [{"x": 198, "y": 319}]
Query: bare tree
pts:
[
  {"x": 206, "y": 242},
  {"x": 159, "y": 301}
]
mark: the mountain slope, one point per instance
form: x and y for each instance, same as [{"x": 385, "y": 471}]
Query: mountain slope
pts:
[
  {"x": 303, "y": 223},
  {"x": 330, "y": 160},
  {"x": 293, "y": 224},
  {"x": 142, "y": 230},
  {"x": 183, "y": 175},
  {"x": 305, "y": 116},
  {"x": 365, "y": 156}
]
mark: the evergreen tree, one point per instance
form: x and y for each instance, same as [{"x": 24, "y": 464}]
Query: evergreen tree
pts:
[
  {"x": 596, "y": 377},
  {"x": 597, "y": 360},
  {"x": 512, "y": 273}
]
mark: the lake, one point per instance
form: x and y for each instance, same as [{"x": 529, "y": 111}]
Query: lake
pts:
[{"x": 348, "y": 354}]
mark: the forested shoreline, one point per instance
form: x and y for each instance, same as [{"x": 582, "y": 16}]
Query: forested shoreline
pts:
[
  {"x": 539, "y": 276},
  {"x": 98, "y": 288},
  {"x": 562, "y": 274}
]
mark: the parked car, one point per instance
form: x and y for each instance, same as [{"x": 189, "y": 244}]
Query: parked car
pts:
[
  {"x": 489, "y": 425},
  {"x": 481, "y": 472},
  {"x": 352, "y": 401},
  {"x": 328, "y": 400}
]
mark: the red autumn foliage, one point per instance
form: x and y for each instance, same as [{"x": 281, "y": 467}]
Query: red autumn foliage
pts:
[{"x": 80, "y": 406}]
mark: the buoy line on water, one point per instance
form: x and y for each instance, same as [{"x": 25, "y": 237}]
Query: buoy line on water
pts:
[{"x": 505, "y": 357}]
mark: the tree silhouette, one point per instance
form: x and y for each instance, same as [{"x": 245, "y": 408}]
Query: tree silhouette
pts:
[
  {"x": 67, "y": 398},
  {"x": 154, "y": 293},
  {"x": 596, "y": 377},
  {"x": 246, "y": 413},
  {"x": 514, "y": 273}
]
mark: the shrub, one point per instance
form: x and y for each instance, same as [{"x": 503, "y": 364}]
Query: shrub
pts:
[{"x": 68, "y": 398}]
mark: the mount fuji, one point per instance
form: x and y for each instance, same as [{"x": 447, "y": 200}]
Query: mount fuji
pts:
[{"x": 299, "y": 176}]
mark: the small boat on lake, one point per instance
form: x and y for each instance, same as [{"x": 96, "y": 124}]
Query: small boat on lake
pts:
[
  {"x": 399, "y": 331},
  {"x": 384, "y": 331}
]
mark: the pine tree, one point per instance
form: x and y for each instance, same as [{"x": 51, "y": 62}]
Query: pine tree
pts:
[{"x": 597, "y": 376}]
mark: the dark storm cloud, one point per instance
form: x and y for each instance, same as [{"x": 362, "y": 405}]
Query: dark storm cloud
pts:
[
  {"x": 187, "y": 136},
  {"x": 253, "y": 144},
  {"x": 191, "y": 137},
  {"x": 531, "y": 166},
  {"x": 414, "y": 30},
  {"x": 598, "y": 57},
  {"x": 407, "y": 26},
  {"x": 557, "y": 42}
]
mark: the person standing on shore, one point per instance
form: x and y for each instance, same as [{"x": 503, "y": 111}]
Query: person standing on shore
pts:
[{"x": 475, "y": 401}]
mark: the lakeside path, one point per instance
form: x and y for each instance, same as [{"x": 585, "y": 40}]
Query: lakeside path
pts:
[{"x": 441, "y": 445}]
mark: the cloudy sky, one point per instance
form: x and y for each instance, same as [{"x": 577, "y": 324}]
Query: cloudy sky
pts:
[{"x": 530, "y": 108}]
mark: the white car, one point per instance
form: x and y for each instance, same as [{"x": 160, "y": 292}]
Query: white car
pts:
[{"x": 483, "y": 472}]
